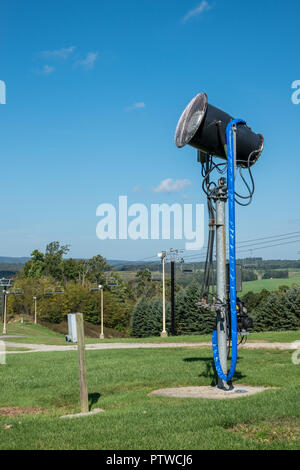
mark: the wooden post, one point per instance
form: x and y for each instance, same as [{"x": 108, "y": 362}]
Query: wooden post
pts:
[{"x": 82, "y": 364}]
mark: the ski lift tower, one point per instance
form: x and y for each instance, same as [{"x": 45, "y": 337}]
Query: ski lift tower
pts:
[{"x": 215, "y": 133}]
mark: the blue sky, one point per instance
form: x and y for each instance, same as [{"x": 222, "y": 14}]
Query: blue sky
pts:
[{"x": 94, "y": 93}]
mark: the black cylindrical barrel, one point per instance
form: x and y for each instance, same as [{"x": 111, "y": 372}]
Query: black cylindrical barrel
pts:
[{"x": 203, "y": 126}]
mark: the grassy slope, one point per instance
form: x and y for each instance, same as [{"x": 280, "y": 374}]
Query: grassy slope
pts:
[
  {"x": 132, "y": 419},
  {"x": 36, "y": 334},
  {"x": 33, "y": 334}
]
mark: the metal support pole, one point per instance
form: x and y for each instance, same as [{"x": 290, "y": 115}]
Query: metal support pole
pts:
[
  {"x": 3, "y": 301},
  {"x": 221, "y": 282},
  {"x": 173, "y": 298},
  {"x": 35, "y": 309},
  {"x": 102, "y": 323},
  {"x": 5, "y": 312},
  {"x": 164, "y": 333}
]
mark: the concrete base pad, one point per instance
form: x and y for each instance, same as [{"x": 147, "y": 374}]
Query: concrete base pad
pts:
[
  {"x": 215, "y": 393},
  {"x": 80, "y": 415}
]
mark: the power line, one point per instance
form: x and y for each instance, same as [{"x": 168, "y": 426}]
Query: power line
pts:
[
  {"x": 273, "y": 236},
  {"x": 265, "y": 238},
  {"x": 251, "y": 245},
  {"x": 270, "y": 246},
  {"x": 282, "y": 237},
  {"x": 241, "y": 250}
]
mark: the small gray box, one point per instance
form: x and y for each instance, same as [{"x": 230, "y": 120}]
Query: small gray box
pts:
[
  {"x": 239, "y": 277},
  {"x": 71, "y": 337}
]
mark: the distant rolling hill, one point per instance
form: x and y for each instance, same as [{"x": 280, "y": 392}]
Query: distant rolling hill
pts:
[
  {"x": 112, "y": 262},
  {"x": 13, "y": 260},
  {"x": 122, "y": 262}
]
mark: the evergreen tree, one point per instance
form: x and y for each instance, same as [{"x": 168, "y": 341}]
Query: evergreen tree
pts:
[
  {"x": 190, "y": 317},
  {"x": 207, "y": 321},
  {"x": 188, "y": 312},
  {"x": 291, "y": 303},
  {"x": 138, "y": 320},
  {"x": 154, "y": 323},
  {"x": 253, "y": 299},
  {"x": 272, "y": 315}
]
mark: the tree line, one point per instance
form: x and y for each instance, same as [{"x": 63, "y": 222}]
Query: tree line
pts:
[
  {"x": 66, "y": 285},
  {"x": 275, "y": 311}
]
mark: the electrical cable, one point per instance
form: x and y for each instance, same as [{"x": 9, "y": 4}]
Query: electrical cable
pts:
[{"x": 251, "y": 248}]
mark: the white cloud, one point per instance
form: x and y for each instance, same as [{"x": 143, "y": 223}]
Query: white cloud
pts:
[
  {"x": 204, "y": 6},
  {"x": 63, "y": 53},
  {"x": 172, "y": 186},
  {"x": 89, "y": 62},
  {"x": 137, "y": 189},
  {"x": 139, "y": 105},
  {"x": 47, "y": 70}
]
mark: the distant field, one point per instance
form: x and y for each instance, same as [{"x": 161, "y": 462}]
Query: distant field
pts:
[
  {"x": 270, "y": 284},
  {"x": 255, "y": 286}
]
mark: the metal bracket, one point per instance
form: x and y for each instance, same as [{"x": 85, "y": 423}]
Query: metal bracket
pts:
[{"x": 221, "y": 191}]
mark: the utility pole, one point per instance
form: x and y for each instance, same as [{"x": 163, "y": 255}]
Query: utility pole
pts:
[
  {"x": 221, "y": 198},
  {"x": 162, "y": 256},
  {"x": 173, "y": 298},
  {"x": 5, "y": 293},
  {"x": 35, "y": 309},
  {"x": 3, "y": 302},
  {"x": 101, "y": 319},
  {"x": 5, "y": 283},
  {"x": 173, "y": 255},
  {"x": 98, "y": 288}
]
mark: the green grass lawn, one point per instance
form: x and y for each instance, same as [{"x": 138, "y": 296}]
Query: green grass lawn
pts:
[
  {"x": 33, "y": 334},
  {"x": 120, "y": 381}
]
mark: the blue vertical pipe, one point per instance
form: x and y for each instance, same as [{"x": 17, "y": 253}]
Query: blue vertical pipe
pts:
[{"x": 232, "y": 257}]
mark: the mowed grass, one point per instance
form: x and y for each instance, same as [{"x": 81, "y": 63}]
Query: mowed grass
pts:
[
  {"x": 33, "y": 334},
  {"x": 120, "y": 381}
]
